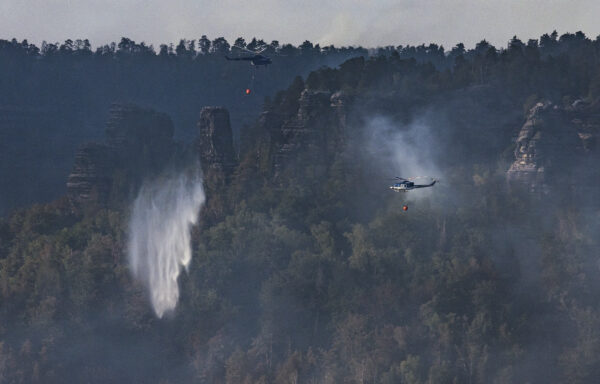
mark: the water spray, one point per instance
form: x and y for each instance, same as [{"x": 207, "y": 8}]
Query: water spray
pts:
[{"x": 159, "y": 235}]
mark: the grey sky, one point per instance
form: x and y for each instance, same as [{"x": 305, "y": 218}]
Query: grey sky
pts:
[{"x": 341, "y": 22}]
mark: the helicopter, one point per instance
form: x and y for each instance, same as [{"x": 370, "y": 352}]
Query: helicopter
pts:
[
  {"x": 256, "y": 59},
  {"x": 406, "y": 185}
]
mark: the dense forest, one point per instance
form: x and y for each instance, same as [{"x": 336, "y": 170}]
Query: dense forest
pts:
[{"x": 305, "y": 268}]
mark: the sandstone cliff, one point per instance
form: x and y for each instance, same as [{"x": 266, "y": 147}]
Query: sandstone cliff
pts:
[
  {"x": 553, "y": 147},
  {"x": 217, "y": 156},
  {"x": 139, "y": 142},
  {"x": 215, "y": 143},
  {"x": 92, "y": 171},
  {"x": 315, "y": 130}
]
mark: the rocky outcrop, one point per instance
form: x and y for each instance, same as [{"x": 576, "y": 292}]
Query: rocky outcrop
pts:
[
  {"x": 92, "y": 171},
  {"x": 585, "y": 118},
  {"x": 305, "y": 131},
  {"x": 217, "y": 157},
  {"x": 552, "y": 146},
  {"x": 315, "y": 130},
  {"x": 139, "y": 142},
  {"x": 215, "y": 143},
  {"x": 528, "y": 167}
]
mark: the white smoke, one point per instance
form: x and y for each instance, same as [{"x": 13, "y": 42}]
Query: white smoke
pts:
[
  {"x": 159, "y": 235},
  {"x": 405, "y": 150}
]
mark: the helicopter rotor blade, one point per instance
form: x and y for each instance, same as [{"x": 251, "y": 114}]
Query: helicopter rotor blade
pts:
[
  {"x": 252, "y": 52},
  {"x": 243, "y": 49},
  {"x": 421, "y": 177},
  {"x": 264, "y": 48}
]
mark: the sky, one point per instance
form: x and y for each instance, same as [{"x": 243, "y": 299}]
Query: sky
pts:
[{"x": 369, "y": 23}]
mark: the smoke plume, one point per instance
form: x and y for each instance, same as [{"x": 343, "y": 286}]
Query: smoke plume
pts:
[
  {"x": 159, "y": 235},
  {"x": 406, "y": 150}
]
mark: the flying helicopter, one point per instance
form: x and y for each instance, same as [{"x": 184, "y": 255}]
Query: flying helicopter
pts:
[
  {"x": 405, "y": 185},
  {"x": 256, "y": 59}
]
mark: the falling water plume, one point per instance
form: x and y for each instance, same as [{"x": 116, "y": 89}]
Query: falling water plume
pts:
[{"x": 159, "y": 235}]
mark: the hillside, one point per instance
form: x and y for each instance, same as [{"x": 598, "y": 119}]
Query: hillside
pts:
[
  {"x": 304, "y": 267},
  {"x": 58, "y": 96}
]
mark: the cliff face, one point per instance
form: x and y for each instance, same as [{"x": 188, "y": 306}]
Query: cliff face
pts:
[
  {"x": 215, "y": 143},
  {"x": 92, "y": 171},
  {"x": 315, "y": 130},
  {"x": 139, "y": 141},
  {"x": 553, "y": 146},
  {"x": 217, "y": 156}
]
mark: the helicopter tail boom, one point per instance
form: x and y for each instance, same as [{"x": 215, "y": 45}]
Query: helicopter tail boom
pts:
[
  {"x": 426, "y": 185},
  {"x": 238, "y": 58}
]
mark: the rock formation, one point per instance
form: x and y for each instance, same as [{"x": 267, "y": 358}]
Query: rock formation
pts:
[
  {"x": 528, "y": 167},
  {"x": 92, "y": 171},
  {"x": 217, "y": 158},
  {"x": 315, "y": 130},
  {"x": 552, "y": 147},
  {"x": 215, "y": 143},
  {"x": 139, "y": 142}
]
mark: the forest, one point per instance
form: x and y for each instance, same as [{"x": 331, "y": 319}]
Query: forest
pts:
[
  {"x": 304, "y": 267},
  {"x": 57, "y": 96}
]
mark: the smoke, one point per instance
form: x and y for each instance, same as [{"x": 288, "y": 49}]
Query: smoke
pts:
[
  {"x": 159, "y": 235},
  {"x": 403, "y": 150}
]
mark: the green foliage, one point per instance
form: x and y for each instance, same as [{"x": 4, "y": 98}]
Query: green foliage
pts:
[{"x": 319, "y": 276}]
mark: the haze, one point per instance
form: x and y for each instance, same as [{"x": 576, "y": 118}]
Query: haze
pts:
[{"x": 342, "y": 22}]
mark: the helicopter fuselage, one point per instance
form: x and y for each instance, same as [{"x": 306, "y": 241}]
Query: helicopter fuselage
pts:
[
  {"x": 402, "y": 187},
  {"x": 406, "y": 186},
  {"x": 254, "y": 60},
  {"x": 260, "y": 60}
]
